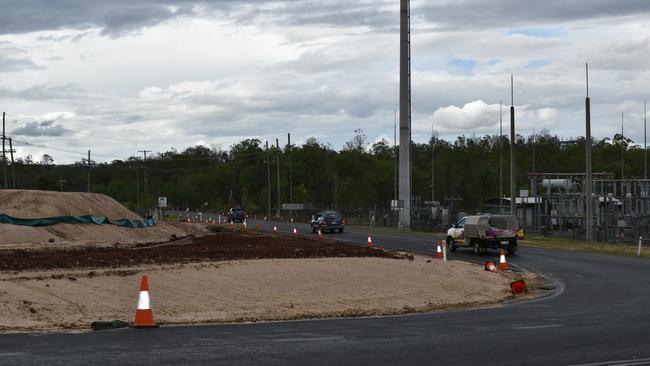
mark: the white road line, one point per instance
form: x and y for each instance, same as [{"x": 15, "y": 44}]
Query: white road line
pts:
[
  {"x": 633, "y": 362},
  {"x": 541, "y": 326},
  {"x": 307, "y": 339}
]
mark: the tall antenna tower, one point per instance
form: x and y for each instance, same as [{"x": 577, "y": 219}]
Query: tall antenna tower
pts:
[
  {"x": 513, "y": 183},
  {"x": 588, "y": 176},
  {"x": 500, "y": 159},
  {"x": 405, "y": 115}
]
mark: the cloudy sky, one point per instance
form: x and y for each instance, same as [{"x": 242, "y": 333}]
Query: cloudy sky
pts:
[{"x": 126, "y": 75}]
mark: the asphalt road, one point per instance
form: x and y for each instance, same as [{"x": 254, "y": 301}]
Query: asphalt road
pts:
[{"x": 600, "y": 315}]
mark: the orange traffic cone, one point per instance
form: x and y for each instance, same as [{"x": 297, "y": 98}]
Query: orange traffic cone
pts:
[
  {"x": 370, "y": 243},
  {"x": 143, "y": 314},
  {"x": 502, "y": 261},
  {"x": 490, "y": 266},
  {"x": 439, "y": 250}
]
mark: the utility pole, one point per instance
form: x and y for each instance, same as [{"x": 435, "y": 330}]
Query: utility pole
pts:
[
  {"x": 395, "y": 166},
  {"x": 144, "y": 171},
  {"x": 500, "y": 159},
  {"x": 88, "y": 162},
  {"x": 534, "y": 143},
  {"x": 645, "y": 145},
  {"x": 4, "y": 154},
  {"x": 268, "y": 179},
  {"x": 433, "y": 165},
  {"x": 405, "y": 115},
  {"x": 137, "y": 184},
  {"x": 13, "y": 168},
  {"x": 277, "y": 161},
  {"x": 336, "y": 188},
  {"x": 290, "y": 185},
  {"x": 622, "y": 149},
  {"x": 588, "y": 174},
  {"x": 513, "y": 186}
]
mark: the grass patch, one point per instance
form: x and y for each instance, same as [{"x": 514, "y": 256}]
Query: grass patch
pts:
[{"x": 620, "y": 249}]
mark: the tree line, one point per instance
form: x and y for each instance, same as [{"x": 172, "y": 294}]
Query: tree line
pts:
[{"x": 358, "y": 177}]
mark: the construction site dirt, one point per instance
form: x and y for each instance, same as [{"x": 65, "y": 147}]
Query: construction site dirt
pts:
[{"x": 219, "y": 246}]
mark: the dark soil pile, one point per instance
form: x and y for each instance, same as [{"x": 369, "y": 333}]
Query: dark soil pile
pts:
[{"x": 222, "y": 246}]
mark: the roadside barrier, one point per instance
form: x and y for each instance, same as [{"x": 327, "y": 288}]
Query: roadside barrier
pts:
[
  {"x": 438, "y": 250},
  {"x": 370, "y": 243},
  {"x": 518, "y": 287},
  {"x": 490, "y": 266},
  {"x": 143, "y": 313},
  {"x": 503, "y": 265}
]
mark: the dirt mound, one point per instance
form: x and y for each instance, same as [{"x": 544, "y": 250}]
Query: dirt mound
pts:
[
  {"x": 27, "y": 204},
  {"x": 215, "y": 247}
]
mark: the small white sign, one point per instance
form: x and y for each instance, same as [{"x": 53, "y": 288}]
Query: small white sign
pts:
[
  {"x": 162, "y": 202},
  {"x": 292, "y": 206}
]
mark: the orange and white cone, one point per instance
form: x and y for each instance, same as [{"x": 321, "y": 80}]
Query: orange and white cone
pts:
[
  {"x": 503, "y": 265},
  {"x": 320, "y": 235},
  {"x": 370, "y": 243},
  {"x": 490, "y": 266},
  {"x": 143, "y": 314},
  {"x": 439, "y": 250}
]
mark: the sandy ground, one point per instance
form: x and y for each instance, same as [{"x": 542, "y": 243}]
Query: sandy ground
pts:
[
  {"x": 32, "y": 204},
  {"x": 250, "y": 290},
  {"x": 27, "y": 204},
  {"x": 69, "y": 235}
]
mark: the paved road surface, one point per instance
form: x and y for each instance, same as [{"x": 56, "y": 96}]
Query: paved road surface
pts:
[{"x": 599, "y": 316}]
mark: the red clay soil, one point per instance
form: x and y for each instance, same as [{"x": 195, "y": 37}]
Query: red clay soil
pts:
[{"x": 214, "y": 247}]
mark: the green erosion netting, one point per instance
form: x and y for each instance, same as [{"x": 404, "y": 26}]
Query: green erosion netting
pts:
[{"x": 86, "y": 219}]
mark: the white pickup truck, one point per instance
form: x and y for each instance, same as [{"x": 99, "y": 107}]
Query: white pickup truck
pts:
[{"x": 482, "y": 232}]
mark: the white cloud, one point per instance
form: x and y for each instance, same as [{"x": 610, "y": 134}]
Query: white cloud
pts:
[{"x": 181, "y": 73}]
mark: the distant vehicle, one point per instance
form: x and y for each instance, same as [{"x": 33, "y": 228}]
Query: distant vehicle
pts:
[
  {"x": 327, "y": 220},
  {"x": 482, "y": 232},
  {"x": 236, "y": 214}
]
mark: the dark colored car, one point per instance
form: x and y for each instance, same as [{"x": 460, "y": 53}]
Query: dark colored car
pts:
[
  {"x": 327, "y": 220},
  {"x": 237, "y": 214}
]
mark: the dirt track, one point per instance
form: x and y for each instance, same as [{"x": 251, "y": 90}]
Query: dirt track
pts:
[{"x": 214, "y": 247}]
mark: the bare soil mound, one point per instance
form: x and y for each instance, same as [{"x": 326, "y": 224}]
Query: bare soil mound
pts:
[
  {"x": 215, "y": 247},
  {"x": 232, "y": 276},
  {"x": 28, "y": 204}
]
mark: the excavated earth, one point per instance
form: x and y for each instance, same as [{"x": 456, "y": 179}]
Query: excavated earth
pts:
[{"x": 221, "y": 246}]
